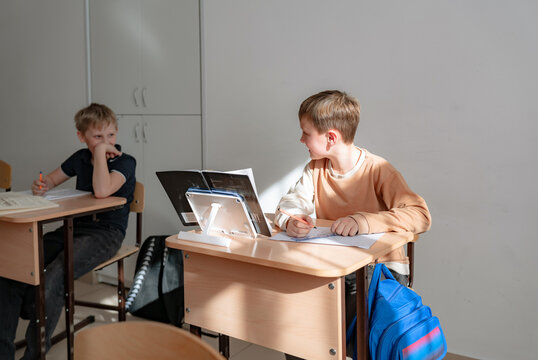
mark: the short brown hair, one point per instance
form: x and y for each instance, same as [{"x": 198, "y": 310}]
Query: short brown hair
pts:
[
  {"x": 94, "y": 115},
  {"x": 333, "y": 109}
]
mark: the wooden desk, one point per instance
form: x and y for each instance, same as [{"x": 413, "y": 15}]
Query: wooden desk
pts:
[
  {"x": 21, "y": 251},
  {"x": 283, "y": 295}
]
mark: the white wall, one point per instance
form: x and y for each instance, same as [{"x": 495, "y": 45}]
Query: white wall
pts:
[
  {"x": 42, "y": 84},
  {"x": 446, "y": 89}
]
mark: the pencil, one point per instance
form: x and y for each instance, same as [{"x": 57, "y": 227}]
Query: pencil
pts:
[
  {"x": 297, "y": 218},
  {"x": 40, "y": 179}
]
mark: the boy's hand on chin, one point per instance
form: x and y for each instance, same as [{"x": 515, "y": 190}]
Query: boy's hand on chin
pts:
[{"x": 109, "y": 150}]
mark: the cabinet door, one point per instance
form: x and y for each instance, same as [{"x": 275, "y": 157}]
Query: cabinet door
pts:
[
  {"x": 130, "y": 137},
  {"x": 116, "y": 54},
  {"x": 173, "y": 143},
  {"x": 145, "y": 56},
  {"x": 170, "y": 57}
]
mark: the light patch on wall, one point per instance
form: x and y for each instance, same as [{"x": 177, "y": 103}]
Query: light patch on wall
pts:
[{"x": 270, "y": 197}]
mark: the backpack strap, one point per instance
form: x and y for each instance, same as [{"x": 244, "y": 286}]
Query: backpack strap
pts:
[{"x": 374, "y": 283}]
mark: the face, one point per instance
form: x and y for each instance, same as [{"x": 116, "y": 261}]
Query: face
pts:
[
  {"x": 94, "y": 136},
  {"x": 314, "y": 141}
]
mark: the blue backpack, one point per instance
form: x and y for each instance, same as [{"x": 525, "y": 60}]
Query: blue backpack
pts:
[{"x": 401, "y": 327}]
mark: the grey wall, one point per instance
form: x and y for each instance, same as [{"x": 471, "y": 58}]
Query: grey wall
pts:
[
  {"x": 42, "y": 84},
  {"x": 446, "y": 90}
]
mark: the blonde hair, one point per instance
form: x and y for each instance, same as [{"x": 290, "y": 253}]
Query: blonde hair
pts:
[
  {"x": 95, "y": 115},
  {"x": 333, "y": 109}
]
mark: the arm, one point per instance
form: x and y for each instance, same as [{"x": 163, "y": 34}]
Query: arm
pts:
[
  {"x": 105, "y": 182},
  {"x": 407, "y": 211},
  {"x": 298, "y": 201},
  {"x": 50, "y": 181}
]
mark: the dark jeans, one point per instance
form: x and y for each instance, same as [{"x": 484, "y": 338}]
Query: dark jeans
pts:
[
  {"x": 92, "y": 244},
  {"x": 351, "y": 298}
]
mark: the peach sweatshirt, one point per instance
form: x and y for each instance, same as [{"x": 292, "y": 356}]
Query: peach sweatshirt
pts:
[{"x": 374, "y": 193}]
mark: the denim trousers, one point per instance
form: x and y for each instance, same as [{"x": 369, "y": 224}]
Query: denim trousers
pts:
[
  {"x": 351, "y": 299},
  {"x": 92, "y": 244}
]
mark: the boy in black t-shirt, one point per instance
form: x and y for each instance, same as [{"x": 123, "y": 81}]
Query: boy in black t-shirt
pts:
[{"x": 105, "y": 171}]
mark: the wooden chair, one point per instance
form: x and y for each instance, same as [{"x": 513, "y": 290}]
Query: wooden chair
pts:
[
  {"x": 137, "y": 206},
  {"x": 141, "y": 340},
  {"x": 5, "y": 176}
]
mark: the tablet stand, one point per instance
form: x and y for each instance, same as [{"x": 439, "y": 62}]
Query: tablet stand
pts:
[
  {"x": 218, "y": 213},
  {"x": 205, "y": 237}
]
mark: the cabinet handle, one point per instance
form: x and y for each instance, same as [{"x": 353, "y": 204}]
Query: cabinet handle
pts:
[
  {"x": 135, "y": 97},
  {"x": 145, "y": 132},
  {"x": 144, "y": 97},
  {"x": 136, "y": 130}
]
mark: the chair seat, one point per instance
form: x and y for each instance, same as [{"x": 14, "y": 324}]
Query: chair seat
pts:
[
  {"x": 141, "y": 340},
  {"x": 123, "y": 252}
]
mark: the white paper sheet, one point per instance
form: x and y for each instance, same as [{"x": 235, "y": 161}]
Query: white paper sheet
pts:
[
  {"x": 58, "y": 194},
  {"x": 323, "y": 235}
]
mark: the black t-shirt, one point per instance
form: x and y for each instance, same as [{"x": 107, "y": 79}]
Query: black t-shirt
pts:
[{"x": 80, "y": 165}]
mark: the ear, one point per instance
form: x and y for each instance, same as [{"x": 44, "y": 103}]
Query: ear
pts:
[
  {"x": 332, "y": 137},
  {"x": 81, "y": 137}
]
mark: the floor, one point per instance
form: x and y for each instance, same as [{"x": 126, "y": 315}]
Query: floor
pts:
[{"x": 239, "y": 350}]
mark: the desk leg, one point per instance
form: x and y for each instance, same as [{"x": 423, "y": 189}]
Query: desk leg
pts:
[
  {"x": 69, "y": 285},
  {"x": 40, "y": 296},
  {"x": 224, "y": 345},
  {"x": 362, "y": 314}
]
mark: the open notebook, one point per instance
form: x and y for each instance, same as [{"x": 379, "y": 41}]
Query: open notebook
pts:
[
  {"x": 14, "y": 202},
  {"x": 177, "y": 183}
]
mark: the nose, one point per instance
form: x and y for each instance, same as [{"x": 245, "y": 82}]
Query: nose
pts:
[{"x": 302, "y": 139}]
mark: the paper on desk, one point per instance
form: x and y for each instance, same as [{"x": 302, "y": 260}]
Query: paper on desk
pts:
[
  {"x": 13, "y": 202},
  {"x": 324, "y": 235},
  {"x": 58, "y": 194}
]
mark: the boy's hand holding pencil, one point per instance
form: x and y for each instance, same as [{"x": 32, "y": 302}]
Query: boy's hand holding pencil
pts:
[
  {"x": 298, "y": 225},
  {"x": 40, "y": 186}
]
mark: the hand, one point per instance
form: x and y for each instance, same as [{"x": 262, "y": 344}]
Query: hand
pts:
[
  {"x": 108, "y": 150},
  {"x": 41, "y": 187},
  {"x": 296, "y": 228},
  {"x": 345, "y": 226}
]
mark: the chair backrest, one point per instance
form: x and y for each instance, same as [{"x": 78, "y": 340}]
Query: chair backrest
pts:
[
  {"x": 137, "y": 206},
  {"x": 5, "y": 176},
  {"x": 141, "y": 340}
]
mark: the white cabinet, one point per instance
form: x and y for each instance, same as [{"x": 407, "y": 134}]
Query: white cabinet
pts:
[{"x": 145, "y": 55}]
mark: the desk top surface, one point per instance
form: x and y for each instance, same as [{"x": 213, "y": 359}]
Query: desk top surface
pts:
[
  {"x": 312, "y": 259},
  {"x": 68, "y": 207}
]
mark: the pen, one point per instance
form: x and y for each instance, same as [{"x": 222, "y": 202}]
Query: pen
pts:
[
  {"x": 40, "y": 179},
  {"x": 297, "y": 218}
]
